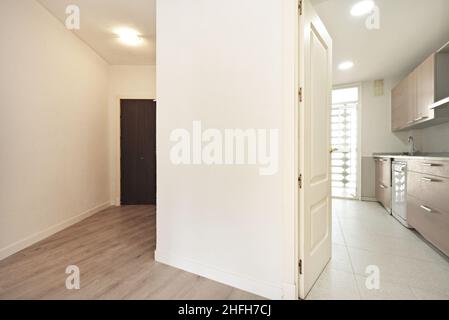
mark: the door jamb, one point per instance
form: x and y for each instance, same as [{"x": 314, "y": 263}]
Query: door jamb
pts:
[
  {"x": 117, "y": 157},
  {"x": 358, "y": 85},
  {"x": 299, "y": 85}
]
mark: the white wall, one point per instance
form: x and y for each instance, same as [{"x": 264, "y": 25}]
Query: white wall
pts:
[
  {"x": 229, "y": 64},
  {"x": 376, "y": 121},
  {"x": 434, "y": 139},
  {"x": 376, "y": 134},
  {"x": 125, "y": 82},
  {"x": 53, "y": 127}
]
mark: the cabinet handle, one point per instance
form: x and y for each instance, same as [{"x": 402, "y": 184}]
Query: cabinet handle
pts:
[
  {"x": 420, "y": 118},
  {"x": 428, "y": 180},
  {"x": 417, "y": 119},
  {"x": 430, "y": 165},
  {"x": 425, "y": 208}
]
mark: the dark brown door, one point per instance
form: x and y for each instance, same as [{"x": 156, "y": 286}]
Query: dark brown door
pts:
[{"x": 138, "y": 152}]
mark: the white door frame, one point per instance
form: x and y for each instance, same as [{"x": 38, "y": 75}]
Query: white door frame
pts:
[
  {"x": 359, "y": 133},
  {"x": 118, "y": 147},
  {"x": 300, "y": 80}
]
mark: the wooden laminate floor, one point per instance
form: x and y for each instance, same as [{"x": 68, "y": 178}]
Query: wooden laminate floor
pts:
[{"x": 114, "y": 250}]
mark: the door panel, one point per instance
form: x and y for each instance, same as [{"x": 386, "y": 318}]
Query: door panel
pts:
[
  {"x": 138, "y": 152},
  {"x": 315, "y": 202}
]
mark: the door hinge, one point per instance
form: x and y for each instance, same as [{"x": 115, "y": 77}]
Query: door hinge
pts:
[
  {"x": 300, "y": 266},
  {"x": 300, "y": 7},
  {"x": 300, "y": 94},
  {"x": 300, "y": 181}
]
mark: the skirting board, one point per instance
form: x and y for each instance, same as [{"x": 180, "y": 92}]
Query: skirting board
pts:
[
  {"x": 260, "y": 288},
  {"x": 25, "y": 243},
  {"x": 368, "y": 199}
]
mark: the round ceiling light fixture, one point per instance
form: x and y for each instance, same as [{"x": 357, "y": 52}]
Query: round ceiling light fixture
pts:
[
  {"x": 362, "y": 7},
  {"x": 346, "y": 65},
  {"x": 129, "y": 37}
]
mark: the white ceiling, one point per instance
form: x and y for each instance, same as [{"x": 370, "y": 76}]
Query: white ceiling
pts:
[
  {"x": 99, "y": 19},
  {"x": 410, "y": 30}
]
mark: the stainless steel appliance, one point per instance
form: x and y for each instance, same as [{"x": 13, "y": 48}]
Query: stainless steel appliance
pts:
[{"x": 399, "y": 192}]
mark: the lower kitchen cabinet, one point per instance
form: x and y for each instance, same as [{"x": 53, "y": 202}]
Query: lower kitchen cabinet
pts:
[
  {"x": 383, "y": 182},
  {"x": 428, "y": 201},
  {"x": 431, "y": 223}
]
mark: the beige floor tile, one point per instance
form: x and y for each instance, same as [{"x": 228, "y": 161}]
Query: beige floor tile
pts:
[
  {"x": 335, "y": 285},
  {"x": 412, "y": 247},
  {"x": 401, "y": 270},
  {"x": 340, "y": 259},
  {"x": 423, "y": 294},
  {"x": 387, "y": 291},
  {"x": 409, "y": 267}
]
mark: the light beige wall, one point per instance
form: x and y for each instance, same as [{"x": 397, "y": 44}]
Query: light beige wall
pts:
[
  {"x": 54, "y": 137},
  {"x": 125, "y": 82}
]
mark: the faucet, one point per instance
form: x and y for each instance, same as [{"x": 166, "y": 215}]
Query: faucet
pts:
[{"x": 411, "y": 143}]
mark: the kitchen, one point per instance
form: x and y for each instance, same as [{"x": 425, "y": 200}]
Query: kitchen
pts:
[
  {"x": 390, "y": 145},
  {"x": 414, "y": 186}
]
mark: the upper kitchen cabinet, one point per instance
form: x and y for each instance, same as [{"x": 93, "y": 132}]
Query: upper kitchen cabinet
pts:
[
  {"x": 425, "y": 89},
  {"x": 399, "y": 105},
  {"x": 413, "y": 97}
]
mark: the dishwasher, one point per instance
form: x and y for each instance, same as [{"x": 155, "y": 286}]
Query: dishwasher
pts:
[{"x": 399, "y": 192}]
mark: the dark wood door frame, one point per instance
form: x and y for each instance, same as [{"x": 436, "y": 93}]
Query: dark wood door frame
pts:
[{"x": 132, "y": 102}]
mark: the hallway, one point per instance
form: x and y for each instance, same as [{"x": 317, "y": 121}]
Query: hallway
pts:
[
  {"x": 114, "y": 251},
  {"x": 365, "y": 235}
]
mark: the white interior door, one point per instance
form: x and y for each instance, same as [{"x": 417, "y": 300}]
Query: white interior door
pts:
[{"x": 315, "y": 204}]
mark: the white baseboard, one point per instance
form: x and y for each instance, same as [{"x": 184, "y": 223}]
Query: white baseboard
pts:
[
  {"x": 28, "y": 241},
  {"x": 257, "y": 287},
  {"x": 369, "y": 199},
  {"x": 289, "y": 292}
]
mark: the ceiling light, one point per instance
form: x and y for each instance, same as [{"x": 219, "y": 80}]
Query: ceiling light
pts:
[
  {"x": 346, "y": 65},
  {"x": 129, "y": 37},
  {"x": 363, "y": 7}
]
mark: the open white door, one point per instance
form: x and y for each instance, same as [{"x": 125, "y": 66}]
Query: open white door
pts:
[{"x": 315, "y": 203}]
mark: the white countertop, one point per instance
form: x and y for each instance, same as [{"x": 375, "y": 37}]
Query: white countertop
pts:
[{"x": 418, "y": 156}]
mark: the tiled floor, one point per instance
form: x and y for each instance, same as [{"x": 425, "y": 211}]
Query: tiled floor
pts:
[{"x": 365, "y": 235}]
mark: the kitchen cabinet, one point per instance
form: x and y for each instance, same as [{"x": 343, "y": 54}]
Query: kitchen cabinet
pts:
[
  {"x": 428, "y": 201},
  {"x": 383, "y": 182},
  {"x": 425, "y": 89},
  {"x": 399, "y": 105},
  {"x": 412, "y": 97},
  {"x": 404, "y": 102}
]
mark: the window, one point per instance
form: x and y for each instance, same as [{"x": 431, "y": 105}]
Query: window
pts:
[{"x": 344, "y": 131}]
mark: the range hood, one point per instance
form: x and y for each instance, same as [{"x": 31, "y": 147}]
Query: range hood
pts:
[
  {"x": 444, "y": 103},
  {"x": 444, "y": 80}
]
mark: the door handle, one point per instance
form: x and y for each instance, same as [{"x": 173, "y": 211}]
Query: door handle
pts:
[
  {"x": 428, "y": 180},
  {"x": 333, "y": 150},
  {"x": 382, "y": 186}
]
